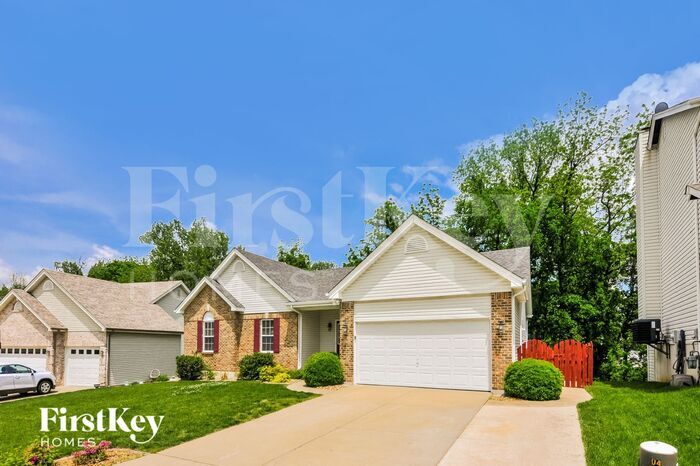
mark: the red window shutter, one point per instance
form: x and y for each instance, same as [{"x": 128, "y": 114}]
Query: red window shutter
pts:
[
  {"x": 216, "y": 336},
  {"x": 199, "y": 336},
  {"x": 256, "y": 335},
  {"x": 276, "y": 337}
]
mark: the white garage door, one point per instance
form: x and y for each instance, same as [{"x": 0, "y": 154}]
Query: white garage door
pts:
[
  {"x": 434, "y": 354},
  {"x": 82, "y": 366},
  {"x": 34, "y": 358}
]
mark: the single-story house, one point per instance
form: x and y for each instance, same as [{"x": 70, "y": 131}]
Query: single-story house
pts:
[
  {"x": 89, "y": 331},
  {"x": 423, "y": 310}
]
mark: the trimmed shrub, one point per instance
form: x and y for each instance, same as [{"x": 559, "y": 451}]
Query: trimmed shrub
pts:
[
  {"x": 268, "y": 373},
  {"x": 296, "y": 374},
  {"x": 190, "y": 367},
  {"x": 282, "y": 377},
  {"x": 162, "y": 378},
  {"x": 249, "y": 366},
  {"x": 323, "y": 369},
  {"x": 533, "y": 379}
]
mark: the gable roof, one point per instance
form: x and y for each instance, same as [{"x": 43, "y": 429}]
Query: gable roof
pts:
[
  {"x": 218, "y": 289},
  {"x": 117, "y": 306},
  {"x": 34, "y": 306},
  {"x": 302, "y": 285},
  {"x": 508, "y": 258}
]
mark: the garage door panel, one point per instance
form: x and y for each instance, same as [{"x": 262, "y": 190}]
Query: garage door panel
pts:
[
  {"x": 82, "y": 366},
  {"x": 34, "y": 358},
  {"x": 438, "y": 354}
]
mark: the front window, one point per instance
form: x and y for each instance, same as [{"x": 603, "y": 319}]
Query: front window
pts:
[
  {"x": 267, "y": 334},
  {"x": 208, "y": 333}
]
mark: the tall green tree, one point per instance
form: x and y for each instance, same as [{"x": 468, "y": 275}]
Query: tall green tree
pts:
[
  {"x": 295, "y": 255},
  {"x": 16, "y": 282},
  {"x": 127, "y": 270},
  {"x": 562, "y": 187},
  {"x": 68, "y": 266},
  {"x": 429, "y": 206},
  {"x": 186, "y": 254}
]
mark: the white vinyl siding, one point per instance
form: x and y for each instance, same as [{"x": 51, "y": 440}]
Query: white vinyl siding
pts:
[
  {"x": 462, "y": 307},
  {"x": 442, "y": 270},
  {"x": 649, "y": 240},
  {"x": 327, "y": 338},
  {"x": 310, "y": 334},
  {"x": 677, "y": 166},
  {"x": 253, "y": 291},
  {"x": 65, "y": 309},
  {"x": 133, "y": 356},
  {"x": 171, "y": 301}
]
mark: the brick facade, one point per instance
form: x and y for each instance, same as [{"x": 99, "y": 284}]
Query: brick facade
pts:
[
  {"x": 347, "y": 338},
  {"x": 501, "y": 340},
  {"x": 236, "y": 333}
]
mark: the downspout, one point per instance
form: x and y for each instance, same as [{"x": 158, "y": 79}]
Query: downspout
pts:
[{"x": 300, "y": 328}]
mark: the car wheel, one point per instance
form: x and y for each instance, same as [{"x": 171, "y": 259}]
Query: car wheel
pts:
[{"x": 44, "y": 387}]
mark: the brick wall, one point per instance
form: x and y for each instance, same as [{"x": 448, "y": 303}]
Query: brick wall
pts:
[
  {"x": 347, "y": 338},
  {"x": 501, "y": 342},
  {"x": 236, "y": 332},
  {"x": 57, "y": 357}
]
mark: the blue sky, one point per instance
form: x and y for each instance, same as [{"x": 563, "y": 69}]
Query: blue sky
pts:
[{"x": 288, "y": 95}]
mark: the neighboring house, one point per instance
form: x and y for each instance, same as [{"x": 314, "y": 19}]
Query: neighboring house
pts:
[
  {"x": 422, "y": 310},
  {"x": 88, "y": 331},
  {"x": 668, "y": 221}
]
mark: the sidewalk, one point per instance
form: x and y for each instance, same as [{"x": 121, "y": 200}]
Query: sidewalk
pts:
[{"x": 517, "y": 432}]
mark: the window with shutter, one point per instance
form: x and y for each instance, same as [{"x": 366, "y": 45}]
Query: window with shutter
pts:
[
  {"x": 208, "y": 333},
  {"x": 267, "y": 335}
]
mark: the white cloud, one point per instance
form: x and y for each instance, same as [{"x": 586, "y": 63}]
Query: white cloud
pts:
[
  {"x": 11, "y": 151},
  {"x": 466, "y": 148},
  {"x": 671, "y": 87},
  {"x": 101, "y": 253},
  {"x": 396, "y": 187},
  {"x": 67, "y": 199}
]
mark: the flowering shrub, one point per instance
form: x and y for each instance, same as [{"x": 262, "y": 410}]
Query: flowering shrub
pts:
[
  {"x": 92, "y": 453},
  {"x": 39, "y": 455}
]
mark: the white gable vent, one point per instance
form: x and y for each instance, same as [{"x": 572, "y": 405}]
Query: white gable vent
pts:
[
  {"x": 47, "y": 286},
  {"x": 17, "y": 307},
  {"x": 238, "y": 267},
  {"x": 416, "y": 244}
]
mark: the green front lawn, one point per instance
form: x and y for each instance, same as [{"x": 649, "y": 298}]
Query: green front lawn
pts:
[
  {"x": 621, "y": 416},
  {"x": 191, "y": 410}
]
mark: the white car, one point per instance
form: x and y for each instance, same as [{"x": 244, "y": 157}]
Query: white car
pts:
[{"x": 16, "y": 378}]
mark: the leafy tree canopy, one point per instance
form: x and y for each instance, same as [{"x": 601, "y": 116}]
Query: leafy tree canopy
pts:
[
  {"x": 186, "y": 254},
  {"x": 389, "y": 216},
  {"x": 562, "y": 187},
  {"x": 295, "y": 255},
  {"x": 127, "y": 270},
  {"x": 68, "y": 266}
]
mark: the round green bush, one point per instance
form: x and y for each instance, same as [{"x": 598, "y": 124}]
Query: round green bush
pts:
[
  {"x": 249, "y": 366},
  {"x": 323, "y": 369},
  {"x": 533, "y": 379},
  {"x": 190, "y": 367}
]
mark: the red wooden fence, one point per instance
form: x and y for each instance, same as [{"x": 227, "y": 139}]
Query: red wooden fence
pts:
[{"x": 573, "y": 358}]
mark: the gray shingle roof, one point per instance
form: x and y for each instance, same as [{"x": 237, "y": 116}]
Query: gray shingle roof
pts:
[
  {"x": 39, "y": 309},
  {"x": 220, "y": 288},
  {"x": 517, "y": 260},
  {"x": 302, "y": 285},
  {"x": 123, "y": 306}
]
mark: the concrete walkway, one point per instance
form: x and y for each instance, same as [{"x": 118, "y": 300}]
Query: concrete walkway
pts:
[
  {"x": 515, "y": 432},
  {"x": 358, "y": 424}
]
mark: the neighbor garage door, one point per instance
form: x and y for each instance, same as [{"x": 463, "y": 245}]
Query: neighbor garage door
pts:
[
  {"x": 82, "y": 366},
  {"x": 133, "y": 356},
  {"x": 34, "y": 358},
  {"x": 434, "y": 354}
]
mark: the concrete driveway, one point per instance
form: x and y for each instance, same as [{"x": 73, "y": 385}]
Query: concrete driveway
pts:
[
  {"x": 55, "y": 391},
  {"x": 359, "y": 424},
  {"x": 527, "y": 433}
]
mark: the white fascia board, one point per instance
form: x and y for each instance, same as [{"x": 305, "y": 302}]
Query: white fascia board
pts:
[
  {"x": 682, "y": 107},
  {"x": 413, "y": 220},
  {"x": 193, "y": 294},
  {"x": 42, "y": 274},
  {"x": 237, "y": 254},
  {"x": 3, "y": 303}
]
